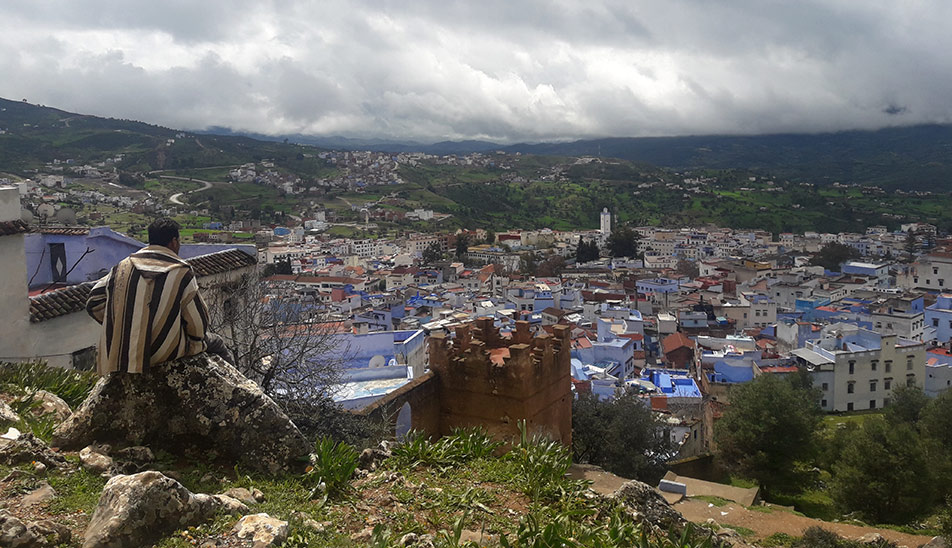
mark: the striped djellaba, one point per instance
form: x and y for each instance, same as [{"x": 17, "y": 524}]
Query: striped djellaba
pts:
[{"x": 151, "y": 312}]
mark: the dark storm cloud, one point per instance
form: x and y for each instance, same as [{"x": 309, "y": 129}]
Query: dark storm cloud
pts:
[{"x": 501, "y": 70}]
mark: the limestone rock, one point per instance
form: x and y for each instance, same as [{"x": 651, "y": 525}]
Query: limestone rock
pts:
[
  {"x": 131, "y": 460},
  {"x": 199, "y": 405},
  {"x": 370, "y": 458},
  {"x": 242, "y": 494},
  {"x": 936, "y": 542},
  {"x": 17, "y": 533},
  {"x": 28, "y": 448},
  {"x": 7, "y": 414},
  {"x": 39, "y": 495},
  {"x": 137, "y": 454},
  {"x": 231, "y": 505},
  {"x": 95, "y": 460},
  {"x": 649, "y": 505},
  {"x": 262, "y": 529},
  {"x": 49, "y": 403},
  {"x": 873, "y": 539},
  {"x": 137, "y": 510}
]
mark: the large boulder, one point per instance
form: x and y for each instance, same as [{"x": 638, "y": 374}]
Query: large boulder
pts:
[
  {"x": 199, "y": 405},
  {"x": 137, "y": 510}
]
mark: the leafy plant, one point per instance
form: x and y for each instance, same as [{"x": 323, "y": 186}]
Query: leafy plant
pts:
[
  {"x": 28, "y": 377},
  {"x": 460, "y": 446},
  {"x": 542, "y": 464},
  {"x": 333, "y": 465},
  {"x": 566, "y": 530}
]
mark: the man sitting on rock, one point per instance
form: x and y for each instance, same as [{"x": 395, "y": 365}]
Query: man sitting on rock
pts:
[{"x": 150, "y": 308}]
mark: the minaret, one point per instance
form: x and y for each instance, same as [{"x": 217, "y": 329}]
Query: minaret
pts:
[{"x": 606, "y": 223}]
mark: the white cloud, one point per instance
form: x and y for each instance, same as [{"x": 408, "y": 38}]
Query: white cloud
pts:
[{"x": 495, "y": 70}]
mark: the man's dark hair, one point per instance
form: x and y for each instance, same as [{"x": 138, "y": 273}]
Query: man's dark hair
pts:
[{"x": 163, "y": 231}]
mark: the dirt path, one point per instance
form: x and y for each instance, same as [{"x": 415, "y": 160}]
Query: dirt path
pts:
[{"x": 764, "y": 524}]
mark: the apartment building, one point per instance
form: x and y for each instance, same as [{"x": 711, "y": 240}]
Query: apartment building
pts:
[{"x": 857, "y": 368}]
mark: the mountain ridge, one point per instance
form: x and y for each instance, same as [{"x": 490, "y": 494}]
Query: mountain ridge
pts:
[{"x": 915, "y": 157}]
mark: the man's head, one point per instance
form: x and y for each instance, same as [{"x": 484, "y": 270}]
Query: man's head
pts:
[{"x": 164, "y": 232}]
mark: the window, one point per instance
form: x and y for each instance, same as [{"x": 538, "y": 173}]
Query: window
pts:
[
  {"x": 910, "y": 380},
  {"x": 872, "y": 386},
  {"x": 941, "y": 282},
  {"x": 850, "y": 387},
  {"x": 826, "y": 386},
  {"x": 879, "y": 325},
  {"x": 852, "y": 366},
  {"x": 873, "y": 365},
  {"x": 935, "y": 322},
  {"x": 85, "y": 359},
  {"x": 822, "y": 403},
  {"x": 935, "y": 270},
  {"x": 887, "y": 384},
  {"x": 872, "y": 404},
  {"x": 888, "y": 366},
  {"x": 915, "y": 279},
  {"x": 849, "y": 406},
  {"x": 909, "y": 364}
]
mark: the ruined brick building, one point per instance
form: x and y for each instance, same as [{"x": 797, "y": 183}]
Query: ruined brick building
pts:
[{"x": 480, "y": 378}]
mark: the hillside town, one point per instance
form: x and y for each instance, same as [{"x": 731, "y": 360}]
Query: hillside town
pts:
[{"x": 693, "y": 314}]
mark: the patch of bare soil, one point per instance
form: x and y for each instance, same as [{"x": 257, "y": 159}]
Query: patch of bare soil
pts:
[{"x": 782, "y": 521}]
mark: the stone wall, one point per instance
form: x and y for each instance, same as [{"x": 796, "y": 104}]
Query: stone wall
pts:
[{"x": 421, "y": 395}]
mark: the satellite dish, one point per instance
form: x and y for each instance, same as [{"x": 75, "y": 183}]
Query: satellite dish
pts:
[{"x": 65, "y": 216}]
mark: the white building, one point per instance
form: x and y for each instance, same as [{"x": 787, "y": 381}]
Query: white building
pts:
[
  {"x": 605, "y": 226},
  {"x": 857, "y": 369}
]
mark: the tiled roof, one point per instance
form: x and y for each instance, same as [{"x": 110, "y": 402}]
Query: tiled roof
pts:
[
  {"x": 65, "y": 230},
  {"x": 59, "y": 302},
  {"x": 221, "y": 261},
  {"x": 8, "y": 228},
  {"x": 675, "y": 341}
]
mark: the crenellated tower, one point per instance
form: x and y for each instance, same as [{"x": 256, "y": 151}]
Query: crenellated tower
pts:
[{"x": 492, "y": 381}]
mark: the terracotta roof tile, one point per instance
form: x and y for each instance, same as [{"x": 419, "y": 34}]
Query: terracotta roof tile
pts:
[
  {"x": 676, "y": 340},
  {"x": 8, "y": 228},
  {"x": 59, "y": 302},
  {"x": 65, "y": 230},
  {"x": 221, "y": 261}
]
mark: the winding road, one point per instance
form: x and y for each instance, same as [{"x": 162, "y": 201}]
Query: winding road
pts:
[{"x": 176, "y": 198}]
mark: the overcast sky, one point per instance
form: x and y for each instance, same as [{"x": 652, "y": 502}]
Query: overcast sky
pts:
[{"x": 502, "y": 70}]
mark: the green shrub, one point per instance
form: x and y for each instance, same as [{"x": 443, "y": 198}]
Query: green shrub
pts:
[
  {"x": 333, "y": 465},
  {"x": 463, "y": 444},
  {"x": 542, "y": 464},
  {"x": 777, "y": 540}
]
